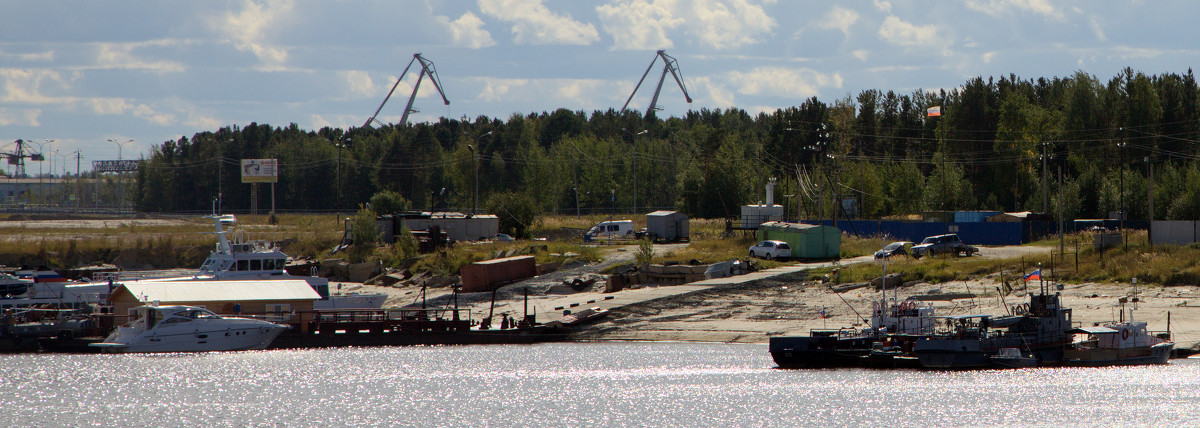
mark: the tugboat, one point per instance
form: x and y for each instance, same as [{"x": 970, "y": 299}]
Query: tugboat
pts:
[
  {"x": 894, "y": 327},
  {"x": 1124, "y": 343},
  {"x": 1040, "y": 328}
]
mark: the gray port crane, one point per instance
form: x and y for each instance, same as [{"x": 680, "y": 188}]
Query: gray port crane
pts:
[
  {"x": 427, "y": 68},
  {"x": 669, "y": 65}
]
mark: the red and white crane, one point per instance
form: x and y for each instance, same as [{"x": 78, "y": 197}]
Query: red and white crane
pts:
[
  {"x": 669, "y": 65},
  {"x": 427, "y": 68}
]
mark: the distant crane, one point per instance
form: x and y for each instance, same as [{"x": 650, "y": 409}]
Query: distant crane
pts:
[
  {"x": 669, "y": 64},
  {"x": 426, "y": 68},
  {"x": 18, "y": 158}
]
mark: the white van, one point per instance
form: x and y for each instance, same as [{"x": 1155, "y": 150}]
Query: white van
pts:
[{"x": 613, "y": 228}]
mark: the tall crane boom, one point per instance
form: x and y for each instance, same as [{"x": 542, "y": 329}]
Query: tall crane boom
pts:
[
  {"x": 427, "y": 68},
  {"x": 669, "y": 65}
]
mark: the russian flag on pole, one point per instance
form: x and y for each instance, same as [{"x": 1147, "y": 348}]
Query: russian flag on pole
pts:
[
  {"x": 1034, "y": 276},
  {"x": 933, "y": 111}
]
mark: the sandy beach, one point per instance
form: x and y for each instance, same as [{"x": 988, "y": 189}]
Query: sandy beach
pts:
[{"x": 792, "y": 304}]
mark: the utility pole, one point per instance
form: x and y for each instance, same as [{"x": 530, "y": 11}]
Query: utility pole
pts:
[
  {"x": 1150, "y": 191},
  {"x": 1045, "y": 195},
  {"x": 1061, "y": 244},
  {"x": 633, "y": 140}
]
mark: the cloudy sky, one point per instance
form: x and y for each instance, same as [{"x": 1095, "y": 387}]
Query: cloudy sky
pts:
[{"x": 83, "y": 72}]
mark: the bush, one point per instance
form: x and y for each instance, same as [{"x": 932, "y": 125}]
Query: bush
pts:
[
  {"x": 645, "y": 253},
  {"x": 389, "y": 202},
  {"x": 516, "y": 212}
]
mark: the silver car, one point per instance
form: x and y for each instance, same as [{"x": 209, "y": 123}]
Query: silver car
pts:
[{"x": 771, "y": 250}]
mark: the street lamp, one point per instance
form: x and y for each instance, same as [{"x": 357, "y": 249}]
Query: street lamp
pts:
[
  {"x": 475, "y": 161},
  {"x": 120, "y": 144},
  {"x": 633, "y": 140},
  {"x": 120, "y": 185}
]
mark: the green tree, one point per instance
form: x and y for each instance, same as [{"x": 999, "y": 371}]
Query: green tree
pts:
[{"x": 516, "y": 211}]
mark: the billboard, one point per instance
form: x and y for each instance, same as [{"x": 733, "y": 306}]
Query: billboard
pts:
[
  {"x": 115, "y": 165},
  {"x": 260, "y": 170}
]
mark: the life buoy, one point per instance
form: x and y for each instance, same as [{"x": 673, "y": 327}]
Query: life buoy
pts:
[{"x": 1124, "y": 334}]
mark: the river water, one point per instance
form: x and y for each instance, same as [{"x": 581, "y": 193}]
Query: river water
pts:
[{"x": 569, "y": 384}]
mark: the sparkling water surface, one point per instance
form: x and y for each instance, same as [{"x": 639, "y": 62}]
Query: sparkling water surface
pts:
[{"x": 577, "y": 384}]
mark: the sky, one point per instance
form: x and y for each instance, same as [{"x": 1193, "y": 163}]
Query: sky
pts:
[{"x": 82, "y": 73}]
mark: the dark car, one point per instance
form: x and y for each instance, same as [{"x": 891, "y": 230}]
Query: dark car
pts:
[
  {"x": 942, "y": 244},
  {"x": 894, "y": 249}
]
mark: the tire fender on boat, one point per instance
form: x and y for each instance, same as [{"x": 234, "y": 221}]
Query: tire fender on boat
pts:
[{"x": 1124, "y": 334}]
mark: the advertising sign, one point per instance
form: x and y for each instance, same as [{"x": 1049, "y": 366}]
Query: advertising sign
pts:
[
  {"x": 260, "y": 170},
  {"x": 115, "y": 165}
]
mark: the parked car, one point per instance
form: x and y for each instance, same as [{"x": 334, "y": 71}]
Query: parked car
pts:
[
  {"x": 894, "y": 249},
  {"x": 942, "y": 244},
  {"x": 771, "y": 250}
]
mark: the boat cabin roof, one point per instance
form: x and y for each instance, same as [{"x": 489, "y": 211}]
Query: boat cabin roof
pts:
[{"x": 1093, "y": 330}]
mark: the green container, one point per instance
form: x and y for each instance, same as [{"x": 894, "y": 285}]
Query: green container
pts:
[{"x": 807, "y": 241}]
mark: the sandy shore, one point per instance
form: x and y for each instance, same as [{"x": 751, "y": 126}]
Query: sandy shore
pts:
[{"x": 792, "y": 304}]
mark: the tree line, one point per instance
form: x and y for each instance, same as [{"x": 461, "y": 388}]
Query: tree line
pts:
[{"x": 998, "y": 144}]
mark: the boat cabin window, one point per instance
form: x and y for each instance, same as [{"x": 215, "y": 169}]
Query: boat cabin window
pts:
[
  {"x": 177, "y": 319},
  {"x": 242, "y": 265},
  {"x": 256, "y": 264}
]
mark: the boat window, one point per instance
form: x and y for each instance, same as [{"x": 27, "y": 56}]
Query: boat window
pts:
[
  {"x": 175, "y": 320},
  {"x": 280, "y": 264},
  {"x": 256, "y": 264},
  {"x": 242, "y": 265}
]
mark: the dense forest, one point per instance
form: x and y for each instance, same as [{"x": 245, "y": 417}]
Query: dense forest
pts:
[{"x": 999, "y": 144}]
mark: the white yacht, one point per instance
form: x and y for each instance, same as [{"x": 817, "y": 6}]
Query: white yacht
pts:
[{"x": 188, "y": 329}]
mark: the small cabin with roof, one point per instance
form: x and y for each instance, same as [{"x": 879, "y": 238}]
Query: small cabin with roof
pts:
[{"x": 276, "y": 299}]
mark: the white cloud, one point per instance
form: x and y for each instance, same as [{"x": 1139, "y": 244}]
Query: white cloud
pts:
[
  {"x": 567, "y": 93},
  {"x": 639, "y": 24},
  {"x": 998, "y": 8},
  {"x": 534, "y": 23},
  {"x": 861, "y": 54},
  {"x": 20, "y": 117},
  {"x": 28, "y": 57},
  {"x": 149, "y": 114},
  {"x": 1097, "y": 29},
  {"x": 839, "y": 19},
  {"x": 900, "y": 33},
  {"x": 987, "y": 57},
  {"x": 359, "y": 82},
  {"x": 883, "y": 6},
  {"x": 120, "y": 56},
  {"x": 721, "y": 24},
  {"x": 498, "y": 89},
  {"x": 718, "y": 95},
  {"x": 249, "y": 27},
  {"x": 468, "y": 31},
  {"x": 728, "y": 23},
  {"x": 107, "y": 106},
  {"x": 789, "y": 82},
  {"x": 25, "y": 86}
]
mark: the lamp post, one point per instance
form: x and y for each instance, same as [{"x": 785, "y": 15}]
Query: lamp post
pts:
[
  {"x": 633, "y": 140},
  {"x": 120, "y": 185},
  {"x": 475, "y": 161}
]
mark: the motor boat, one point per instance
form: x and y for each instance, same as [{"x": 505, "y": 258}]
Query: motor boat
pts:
[{"x": 188, "y": 329}]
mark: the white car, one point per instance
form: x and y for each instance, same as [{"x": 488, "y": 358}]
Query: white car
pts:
[{"x": 771, "y": 250}]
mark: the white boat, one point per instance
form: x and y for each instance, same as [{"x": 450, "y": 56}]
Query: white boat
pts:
[
  {"x": 188, "y": 329},
  {"x": 21, "y": 293},
  {"x": 1118, "y": 344},
  {"x": 238, "y": 258}
]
